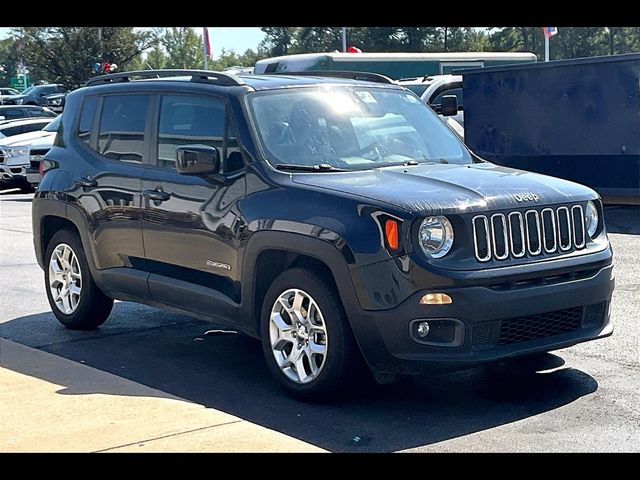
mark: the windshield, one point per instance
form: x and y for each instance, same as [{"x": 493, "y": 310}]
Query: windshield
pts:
[
  {"x": 352, "y": 128},
  {"x": 28, "y": 91},
  {"x": 53, "y": 125}
]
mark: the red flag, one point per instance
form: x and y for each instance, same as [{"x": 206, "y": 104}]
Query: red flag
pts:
[
  {"x": 207, "y": 44},
  {"x": 549, "y": 31}
]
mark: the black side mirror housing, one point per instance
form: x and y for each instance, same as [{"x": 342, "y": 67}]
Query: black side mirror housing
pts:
[
  {"x": 197, "y": 160},
  {"x": 449, "y": 106}
]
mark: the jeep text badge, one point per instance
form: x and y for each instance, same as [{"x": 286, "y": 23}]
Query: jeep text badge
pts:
[
  {"x": 526, "y": 197},
  {"x": 214, "y": 264}
]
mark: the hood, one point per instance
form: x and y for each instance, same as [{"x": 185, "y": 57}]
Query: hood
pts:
[
  {"x": 37, "y": 139},
  {"x": 14, "y": 97},
  {"x": 439, "y": 188},
  {"x": 53, "y": 96}
]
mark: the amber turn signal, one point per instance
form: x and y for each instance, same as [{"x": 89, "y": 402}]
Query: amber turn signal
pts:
[
  {"x": 436, "y": 299},
  {"x": 391, "y": 234}
]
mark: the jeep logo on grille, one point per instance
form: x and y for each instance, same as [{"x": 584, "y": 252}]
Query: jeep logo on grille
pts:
[{"x": 526, "y": 197}]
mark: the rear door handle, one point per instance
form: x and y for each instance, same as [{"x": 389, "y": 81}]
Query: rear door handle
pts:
[
  {"x": 87, "y": 182},
  {"x": 157, "y": 195}
]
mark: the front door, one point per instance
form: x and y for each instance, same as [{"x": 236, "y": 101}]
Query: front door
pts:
[{"x": 191, "y": 223}]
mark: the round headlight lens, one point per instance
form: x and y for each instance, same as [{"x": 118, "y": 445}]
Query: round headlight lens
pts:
[
  {"x": 435, "y": 236},
  {"x": 591, "y": 218}
]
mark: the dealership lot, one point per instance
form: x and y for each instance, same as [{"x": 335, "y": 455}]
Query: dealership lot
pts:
[{"x": 161, "y": 369}]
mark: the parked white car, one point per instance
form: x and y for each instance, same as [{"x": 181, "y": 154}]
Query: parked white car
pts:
[{"x": 20, "y": 155}]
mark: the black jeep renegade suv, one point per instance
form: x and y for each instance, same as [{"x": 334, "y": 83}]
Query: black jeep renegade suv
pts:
[{"x": 337, "y": 219}]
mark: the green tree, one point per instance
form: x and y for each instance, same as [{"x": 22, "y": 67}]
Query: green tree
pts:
[
  {"x": 184, "y": 48},
  {"x": 8, "y": 60},
  {"x": 66, "y": 54},
  {"x": 278, "y": 40},
  {"x": 156, "y": 58}
]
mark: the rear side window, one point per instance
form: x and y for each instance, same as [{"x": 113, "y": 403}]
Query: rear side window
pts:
[
  {"x": 10, "y": 113},
  {"x": 86, "y": 119},
  {"x": 122, "y": 127}
]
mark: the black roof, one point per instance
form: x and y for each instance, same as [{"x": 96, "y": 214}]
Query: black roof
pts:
[
  {"x": 267, "y": 82},
  {"x": 255, "y": 82}
]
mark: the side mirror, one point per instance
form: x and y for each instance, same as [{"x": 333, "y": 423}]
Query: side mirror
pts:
[
  {"x": 197, "y": 160},
  {"x": 449, "y": 106}
]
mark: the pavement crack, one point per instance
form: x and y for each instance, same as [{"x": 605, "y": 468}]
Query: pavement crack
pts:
[
  {"x": 168, "y": 436},
  {"x": 621, "y": 363},
  {"x": 15, "y": 230}
]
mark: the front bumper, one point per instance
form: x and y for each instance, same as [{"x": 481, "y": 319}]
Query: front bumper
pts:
[
  {"x": 20, "y": 173},
  {"x": 496, "y": 323}
]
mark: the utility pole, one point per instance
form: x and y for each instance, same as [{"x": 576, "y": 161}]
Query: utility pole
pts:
[
  {"x": 205, "y": 42},
  {"x": 344, "y": 39},
  {"x": 100, "y": 43},
  {"x": 546, "y": 48}
]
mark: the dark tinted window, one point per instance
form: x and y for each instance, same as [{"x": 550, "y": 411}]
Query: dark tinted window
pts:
[
  {"x": 8, "y": 132},
  {"x": 186, "y": 120},
  {"x": 122, "y": 125},
  {"x": 417, "y": 89},
  {"x": 10, "y": 113},
  {"x": 454, "y": 91},
  {"x": 32, "y": 127},
  {"x": 86, "y": 119}
]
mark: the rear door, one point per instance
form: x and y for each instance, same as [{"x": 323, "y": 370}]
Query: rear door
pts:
[{"x": 112, "y": 132}]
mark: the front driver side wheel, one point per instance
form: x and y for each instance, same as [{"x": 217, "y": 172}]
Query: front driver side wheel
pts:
[{"x": 306, "y": 337}]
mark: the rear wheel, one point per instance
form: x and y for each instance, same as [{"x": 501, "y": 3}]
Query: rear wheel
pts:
[
  {"x": 306, "y": 338},
  {"x": 75, "y": 299}
]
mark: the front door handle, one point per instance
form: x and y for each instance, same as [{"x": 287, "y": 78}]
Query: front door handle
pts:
[
  {"x": 157, "y": 195},
  {"x": 87, "y": 182}
]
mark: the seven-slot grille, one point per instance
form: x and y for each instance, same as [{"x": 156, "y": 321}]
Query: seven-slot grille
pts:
[{"x": 532, "y": 232}]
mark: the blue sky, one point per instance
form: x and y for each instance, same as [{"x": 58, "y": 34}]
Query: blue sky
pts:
[{"x": 231, "y": 38}]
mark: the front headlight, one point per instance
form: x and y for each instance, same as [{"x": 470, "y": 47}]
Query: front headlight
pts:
[
  {"x": 56, "y": 101},
  {"x": 16, "y": 155},
  {"x": 591, "y": 218},
  {"x": 435, "y": 236}
]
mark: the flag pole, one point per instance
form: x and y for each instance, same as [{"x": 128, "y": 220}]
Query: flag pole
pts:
[
  {"x": 546, "y": 48},
  {"x": 204, "y": 48}
]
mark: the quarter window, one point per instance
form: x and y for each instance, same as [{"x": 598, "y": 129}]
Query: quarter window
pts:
[
  {"x": 86, "y": 119},
  {"x": 122, "y": 127}
]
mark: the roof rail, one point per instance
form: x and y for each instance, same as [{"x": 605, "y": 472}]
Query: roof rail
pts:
[
  {"x": 204, "y": 76},
  {"x": 366, "y": 76}
]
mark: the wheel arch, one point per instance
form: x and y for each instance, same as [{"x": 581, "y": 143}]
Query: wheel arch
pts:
[{"x": 270, "y": 253}]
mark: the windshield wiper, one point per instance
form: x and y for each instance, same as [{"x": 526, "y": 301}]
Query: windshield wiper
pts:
[{"x": 321, "y": 167}]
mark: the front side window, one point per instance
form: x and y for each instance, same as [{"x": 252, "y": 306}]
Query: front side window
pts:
[
  {"x": 452, "y": 91},
  {"x": 189, "y": 120},
  {"x": 121, "y": 134},
  {"x": 351, "y": 128}
]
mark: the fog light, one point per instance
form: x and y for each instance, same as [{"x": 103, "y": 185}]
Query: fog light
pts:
[
  {"x": 423, "y": 329},
  {"x": 436, "y": 299},
  {"x": 439, "y": 332}
]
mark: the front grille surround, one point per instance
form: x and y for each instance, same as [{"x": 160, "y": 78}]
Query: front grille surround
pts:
[{"x": 518, "y": 234}]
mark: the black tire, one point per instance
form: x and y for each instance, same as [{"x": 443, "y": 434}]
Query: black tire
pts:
[
  {"x": 94, "y": 306},
  {"x": 344, "y": 368}
]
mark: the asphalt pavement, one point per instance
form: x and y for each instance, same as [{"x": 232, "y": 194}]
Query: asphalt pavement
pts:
[{"x": 585, "y": 398}]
